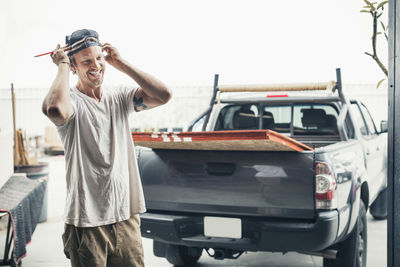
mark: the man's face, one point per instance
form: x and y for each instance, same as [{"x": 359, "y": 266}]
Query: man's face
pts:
[{"x": 90, "y": 66}]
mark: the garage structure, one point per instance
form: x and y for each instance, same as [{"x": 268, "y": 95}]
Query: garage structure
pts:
[{"x": 393, "y": 237}]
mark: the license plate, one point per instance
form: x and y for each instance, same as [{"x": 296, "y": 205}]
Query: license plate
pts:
[{"x": 223, "y": 227}]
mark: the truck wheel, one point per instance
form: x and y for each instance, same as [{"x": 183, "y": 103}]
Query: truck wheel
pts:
[
  {"x": 182, "y": 255},
  {"x": 378, "y": 209},
  {"x": 13, "y": 263},
  {"x": 352, "y": 252}
]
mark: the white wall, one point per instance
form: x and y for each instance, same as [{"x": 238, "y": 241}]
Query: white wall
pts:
[
  {"x": 29, "y": 114},
  {"x": 6, "y": 158},
  {"x": 374, "y": 99},
  {"x": 186, "y": 104}
]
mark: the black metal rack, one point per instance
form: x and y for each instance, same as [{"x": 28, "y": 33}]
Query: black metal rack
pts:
[{"x": 338, "y": 87}]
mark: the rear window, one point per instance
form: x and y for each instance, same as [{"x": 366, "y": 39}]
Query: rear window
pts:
[
  {"x": 296, "y": 119},
  {"x": 277, "y": 118},
  {"x": 238, "y": 117},
  {"x": 314, "y": 120}
]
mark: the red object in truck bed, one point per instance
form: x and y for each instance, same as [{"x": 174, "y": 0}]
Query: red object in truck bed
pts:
[{"x": 247, "y": 140}]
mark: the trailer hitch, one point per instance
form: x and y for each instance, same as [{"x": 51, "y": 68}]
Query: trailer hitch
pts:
[{"x": 223, "y": 253}]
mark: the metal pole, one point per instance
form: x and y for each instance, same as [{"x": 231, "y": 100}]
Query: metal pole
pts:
[
  {"x": 393, "y": 232},
  {"x": 339, "y": 84},
  {"x": 212, "y": 101}
]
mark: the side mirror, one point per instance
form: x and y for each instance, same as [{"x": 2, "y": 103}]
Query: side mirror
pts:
[{"x": 384, "y": 127}]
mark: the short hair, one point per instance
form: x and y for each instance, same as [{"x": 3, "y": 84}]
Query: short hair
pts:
[{"x": 72, "y": 59}]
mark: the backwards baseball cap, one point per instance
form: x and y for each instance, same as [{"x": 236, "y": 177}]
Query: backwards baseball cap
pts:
[{"x": 81, "y": 39}]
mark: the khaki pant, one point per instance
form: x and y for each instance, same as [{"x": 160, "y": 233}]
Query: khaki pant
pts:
[{"x": 118, "y": 244}]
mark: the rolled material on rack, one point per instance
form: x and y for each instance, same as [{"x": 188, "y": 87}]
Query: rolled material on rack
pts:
[{"x": 329, "y": 86}]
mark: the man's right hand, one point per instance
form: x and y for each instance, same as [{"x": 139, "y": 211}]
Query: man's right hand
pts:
[{"x": 58, "y": 56}]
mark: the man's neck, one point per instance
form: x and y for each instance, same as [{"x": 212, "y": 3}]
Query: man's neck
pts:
[{"x": 93, "y": 92}]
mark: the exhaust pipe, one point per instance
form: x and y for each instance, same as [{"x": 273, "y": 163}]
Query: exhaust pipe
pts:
[{"x": 328, "y": 254}]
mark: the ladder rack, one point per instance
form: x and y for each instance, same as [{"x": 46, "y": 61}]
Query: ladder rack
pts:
[{"x": 330, "y": 86}]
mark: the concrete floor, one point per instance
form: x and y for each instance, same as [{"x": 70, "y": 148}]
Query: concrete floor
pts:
[{"x": 46, "y": 247}]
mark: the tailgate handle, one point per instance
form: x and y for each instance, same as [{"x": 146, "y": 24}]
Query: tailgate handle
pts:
[{"x": 216, "y": 168}]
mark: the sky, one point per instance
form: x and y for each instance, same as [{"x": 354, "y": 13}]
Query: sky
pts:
[{"x": 187, "y": 42}]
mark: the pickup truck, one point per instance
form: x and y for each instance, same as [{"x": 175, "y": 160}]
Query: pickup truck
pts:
[{"x": 228, "y": 202}]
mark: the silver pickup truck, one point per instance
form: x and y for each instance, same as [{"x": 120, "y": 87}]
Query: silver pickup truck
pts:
[{"x": 229, "y": 202}]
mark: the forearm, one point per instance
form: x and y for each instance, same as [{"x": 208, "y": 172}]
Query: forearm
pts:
[
  {"x": 57, "y": 102},
  {"x": 150, "y": 85}
]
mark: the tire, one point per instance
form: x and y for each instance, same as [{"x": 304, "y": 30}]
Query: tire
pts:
[
  {"x": 352, "y": 252},
  {"x": 13, "y": 263},
  {"x": 182, "y": 255},
  {"x": 378, "y": 209}
]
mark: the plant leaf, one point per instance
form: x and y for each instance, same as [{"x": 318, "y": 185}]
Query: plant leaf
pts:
[
  {"x": 379, "y": 83},
  {"x": 382, "y": 4},
  {"x": 364, "y": 11},
  {"x": 383, "y": 26},
  {"x": 370, "y": 5}
]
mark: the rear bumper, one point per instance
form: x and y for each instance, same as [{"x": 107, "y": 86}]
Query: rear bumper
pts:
[{"x": 258, "y": 234}]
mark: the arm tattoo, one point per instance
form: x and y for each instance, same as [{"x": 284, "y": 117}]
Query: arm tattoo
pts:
[{"x": 138, "y": 103}]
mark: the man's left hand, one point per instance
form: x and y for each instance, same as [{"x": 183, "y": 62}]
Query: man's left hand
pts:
[{"x": 113, "y": 57}]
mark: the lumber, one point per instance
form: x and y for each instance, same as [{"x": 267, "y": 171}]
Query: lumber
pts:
[{"x": 247, "y": 140}]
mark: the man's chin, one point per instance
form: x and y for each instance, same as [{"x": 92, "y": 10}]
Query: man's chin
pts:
[{"x": 97, "y": 82}]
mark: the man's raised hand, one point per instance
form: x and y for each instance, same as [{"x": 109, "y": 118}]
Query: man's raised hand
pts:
[
  {"x": 113, "y": 57},
  {"x": 58, "y": 56}
]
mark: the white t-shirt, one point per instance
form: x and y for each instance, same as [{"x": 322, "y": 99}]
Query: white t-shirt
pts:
[{"x": 103, "y": 182}]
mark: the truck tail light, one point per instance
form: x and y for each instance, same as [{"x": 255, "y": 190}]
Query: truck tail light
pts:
[{"x": 325, "y": 186}]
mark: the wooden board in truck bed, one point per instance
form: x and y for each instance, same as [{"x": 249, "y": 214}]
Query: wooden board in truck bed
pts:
[{"x": 247, "y": 140}]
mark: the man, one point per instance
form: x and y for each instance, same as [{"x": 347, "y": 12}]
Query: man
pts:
[{"x": 104, "y": 191}]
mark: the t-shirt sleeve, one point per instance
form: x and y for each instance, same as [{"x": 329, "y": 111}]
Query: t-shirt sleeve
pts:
[
  {"x": 65, "y": 128},
  {"x": 127, "y": 95}
]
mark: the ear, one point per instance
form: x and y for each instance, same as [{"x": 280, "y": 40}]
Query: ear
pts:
[
  {"x": 72, "y": 64},
  {"x": 73, "y": 67}
]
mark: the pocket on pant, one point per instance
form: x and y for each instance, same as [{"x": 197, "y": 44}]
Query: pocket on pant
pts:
[
  {"x": 67, "y": 239},
  {"x": 89, "y": 250},
  {"x": 131, "y": 239}
]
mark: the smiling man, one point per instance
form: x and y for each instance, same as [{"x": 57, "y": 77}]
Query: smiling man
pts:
[{"x": 104, "y": 191}]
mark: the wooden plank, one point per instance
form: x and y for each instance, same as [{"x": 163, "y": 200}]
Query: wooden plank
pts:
[
  {"x": 16, "y": 148},
  {"x": 251, "y": 140}
]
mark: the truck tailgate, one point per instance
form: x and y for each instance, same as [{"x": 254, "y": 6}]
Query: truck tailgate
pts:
[{"x": 252, "y": 183}]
